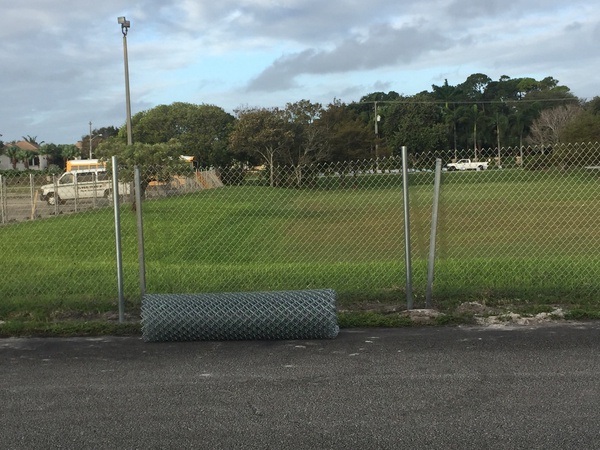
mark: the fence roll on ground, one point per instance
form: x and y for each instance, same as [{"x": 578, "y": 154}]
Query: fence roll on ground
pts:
[{"x": 303, "y": 314}]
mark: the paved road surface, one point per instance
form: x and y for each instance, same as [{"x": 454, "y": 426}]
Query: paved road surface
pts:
[{"x": 459, "y": 388}]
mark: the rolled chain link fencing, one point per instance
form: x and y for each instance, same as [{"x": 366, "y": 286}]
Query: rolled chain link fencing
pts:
[
  {"x": 308, "y": 314},
  {"x": 525, "y": 228}
]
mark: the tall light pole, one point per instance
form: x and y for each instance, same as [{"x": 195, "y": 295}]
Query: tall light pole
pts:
[{"x": 125, "y": 24}]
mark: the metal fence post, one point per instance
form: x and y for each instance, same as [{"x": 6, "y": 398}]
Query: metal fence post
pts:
[
  {"x": 409, "y": 290},
  {"x": 32, "y": 195},
  {"x": 2, "y": 197},
  {"x": 115, "y": 177},
  {"x": 95, "y": 181},
  {"x": 76, "y": 187},
  {"x": 56, "y": 202},
  {"x": 140, "y": 230},
  {"x": 432, "y": 237}
]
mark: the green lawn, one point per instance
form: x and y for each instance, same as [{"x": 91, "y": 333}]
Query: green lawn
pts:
[{"x": 523, "y": 238}]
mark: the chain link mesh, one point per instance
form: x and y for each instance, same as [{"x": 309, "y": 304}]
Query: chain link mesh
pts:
[
  {"x": 523, "y": 230},
  {"x": 58, "y": 256},
  {"x": 307, "y": 314}
]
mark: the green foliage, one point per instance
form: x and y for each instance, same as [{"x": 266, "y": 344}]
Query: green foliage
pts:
[
  {"x": 348, "y": 137},
  {"x": 583, "y": 128},
  {"x": 12, "y": 152},
  {"x": 201, "y": 131},
  {"x": 69, "y": 151},
  {"x": 416, "y": 124},
  {"x": 68, "y": 328},
  {"x": 263, "y": 135},
  {"x": 569, "y": 156},
  {"x": 478, "y": 113},
  {"x": 157, "y": 162}
]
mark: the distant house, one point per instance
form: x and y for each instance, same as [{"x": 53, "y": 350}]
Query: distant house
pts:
[{"x": 36, "y": 162}]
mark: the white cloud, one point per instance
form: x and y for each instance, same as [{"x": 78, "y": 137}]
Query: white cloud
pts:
[{"x": 62, "y": 62}]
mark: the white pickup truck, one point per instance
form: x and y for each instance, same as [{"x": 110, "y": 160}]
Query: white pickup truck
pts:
[
  {"x": 467, "y": 164},
  {"x": 80, "y": 184}
]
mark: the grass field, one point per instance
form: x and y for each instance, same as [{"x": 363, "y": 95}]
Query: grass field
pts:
[{"x": 529, "y": 240}]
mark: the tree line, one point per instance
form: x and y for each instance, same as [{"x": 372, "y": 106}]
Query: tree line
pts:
[{"x": 478, "y": 114}]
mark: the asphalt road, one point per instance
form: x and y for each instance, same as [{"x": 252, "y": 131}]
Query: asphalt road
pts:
[{"x": 459, "y": 388}]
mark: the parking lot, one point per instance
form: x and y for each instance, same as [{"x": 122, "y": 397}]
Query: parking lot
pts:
[{"x": 471, "y": 387}]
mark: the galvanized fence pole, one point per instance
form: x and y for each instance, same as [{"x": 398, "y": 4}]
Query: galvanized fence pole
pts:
[
  {"x": 115, "y": 178},
  {"x": 95, "y": 181},
  {"x": 432, "y": 236},
  {"x": 55, "y": 183},
  {"x": 33, "y": 196},
  {"x": 140, "y": 230},
  {"x": 409, "y": 290},
  {"x": 76, "y": 187},
  {"x": 3, "y": 197}
]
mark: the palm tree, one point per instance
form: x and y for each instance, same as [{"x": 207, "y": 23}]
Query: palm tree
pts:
[
  {"x": 69, "y": 151},
  {"x": 25, "y": 156},
  {"x": 449, "y": 95},
  {"x": 12, "y": 153},
  {"x": 32, "y": 140}
]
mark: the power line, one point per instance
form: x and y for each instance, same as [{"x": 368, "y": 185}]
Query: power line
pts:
[{"x": 469, "y": 102}]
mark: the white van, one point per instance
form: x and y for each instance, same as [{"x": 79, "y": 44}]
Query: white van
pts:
[{"x": 81, "y": 184}]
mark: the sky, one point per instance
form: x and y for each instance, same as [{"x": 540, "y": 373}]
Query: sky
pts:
[{"x": 62, "y": 62}]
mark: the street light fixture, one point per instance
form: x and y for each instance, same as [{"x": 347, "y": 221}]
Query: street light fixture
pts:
[{"x": 125, "y": 24}]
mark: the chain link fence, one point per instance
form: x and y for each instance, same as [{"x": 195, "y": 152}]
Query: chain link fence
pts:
[{"x": 524, "y": 229}]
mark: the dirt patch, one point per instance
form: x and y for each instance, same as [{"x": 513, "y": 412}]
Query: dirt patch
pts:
[
  {"x": 422, "y": 316},
  {"x": 474, "y": 308},
  {"x": 511, "y": 318}
]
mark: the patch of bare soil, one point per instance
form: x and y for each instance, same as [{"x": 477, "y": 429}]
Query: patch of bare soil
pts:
[{"x": 510, "y": 318}]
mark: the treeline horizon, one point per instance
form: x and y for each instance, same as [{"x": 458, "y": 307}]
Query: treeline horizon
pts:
[{"x": 477, "y": 113}]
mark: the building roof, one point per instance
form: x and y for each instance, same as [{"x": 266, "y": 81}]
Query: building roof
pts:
[{"x": 23, "y": 145}]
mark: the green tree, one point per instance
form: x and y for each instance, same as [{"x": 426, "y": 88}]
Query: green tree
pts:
[
  {"x": 69, "y": 151},
  {"x": 348, "y": 137},
  {"x": 32, "y": 140},
  {"x": 584, "y": 127},
  {"x": 12, "y": 152},
  {"x": 449, "y": 95},
  {"x": 475, "y": 85},
  {"x": 157, "y": 162},
  {"x": 25, "y": 156},
  {"x": 417, "y": 124},
  {"x": 53, "y": 152},
  {"x": 475, "y": 117},
  {"x": 265, "y": 134},
  {"x": 202, "y": 131},
  {"x": 310, "y": 139},
  {"x": 580, "y": 137}
]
